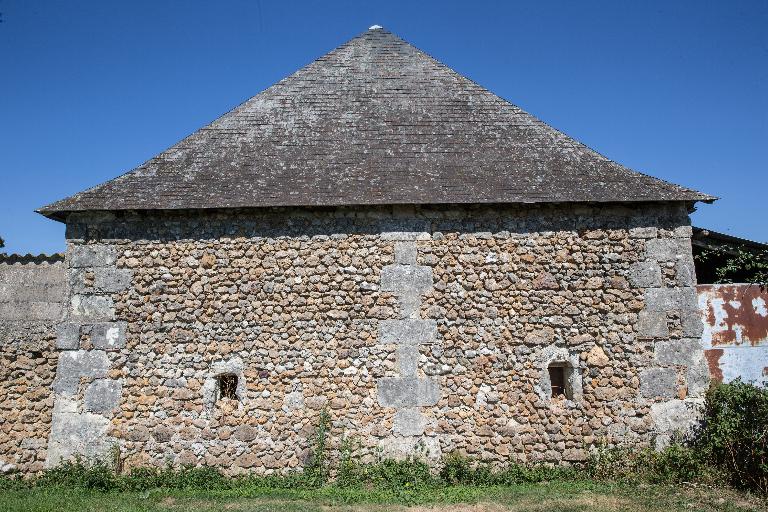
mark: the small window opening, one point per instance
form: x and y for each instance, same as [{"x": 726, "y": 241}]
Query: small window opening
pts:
[
  {"x": 557, "y": 378},
  {"x": 227, "y": 386}
]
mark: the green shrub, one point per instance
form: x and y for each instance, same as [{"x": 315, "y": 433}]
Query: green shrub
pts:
[
  {"x": 674, "y": 464},
  {"x": 410, "y": 473},
  {"x": 735, "y": 433},
  {"x": 458, "y": 469},
  {"x": 80, "y": 474}
]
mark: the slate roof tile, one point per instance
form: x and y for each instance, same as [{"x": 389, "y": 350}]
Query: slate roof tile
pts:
[{"x": 375, "y": 121}]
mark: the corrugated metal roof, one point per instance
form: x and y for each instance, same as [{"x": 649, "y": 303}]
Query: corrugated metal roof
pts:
[{"x": 375, "y": 121}]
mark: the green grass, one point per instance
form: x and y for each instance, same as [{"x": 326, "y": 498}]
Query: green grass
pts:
[{"x": 584, "y": 496}]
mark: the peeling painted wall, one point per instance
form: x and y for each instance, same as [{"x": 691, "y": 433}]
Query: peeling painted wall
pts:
[{"x": 735, "y": 337}]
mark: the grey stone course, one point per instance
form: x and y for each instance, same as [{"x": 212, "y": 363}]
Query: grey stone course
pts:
[
  {"x": 34, "y": 291},
  {"x": 31, "y": 311}
]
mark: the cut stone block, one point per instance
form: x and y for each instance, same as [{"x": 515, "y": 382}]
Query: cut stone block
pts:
[
  {"x": 677, "y": 352},
  {"x": 652, "y": 324},
  {"x": 409, "y": 422},
  {"x": 112, "y": 280},
  {"x": 103, "y": 395},
  {"x": 666, "y": 249},
  {"x": 92, "y": 256},
  {"x": 644, "y": 232},
  {"x": 685, "y": 273},
  {"x": 68, "y": 336},
  {"x": 670, "y": 299},
  {"x": 409, "y": 331},
  {"x": 658, "y": 383},
  {"x": 92, "y": 307},
  {"x": 698, "y": 376},
  {"x": 691, "y": 324},
  {"x": 645, "y": 274},
  {"x": 402, "y": 279},
  {"x": 405, "y": 253},
  {"x": 83, "y": 434},
  {"x": 108, "y": 335},
  {"x": 408, "y": 360},
  {"x": 76, "y": 364},
  {"x": 408, "y": 392}
]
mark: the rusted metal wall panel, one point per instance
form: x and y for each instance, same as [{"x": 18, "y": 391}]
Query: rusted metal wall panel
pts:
[{"x": 735, "y": 337}]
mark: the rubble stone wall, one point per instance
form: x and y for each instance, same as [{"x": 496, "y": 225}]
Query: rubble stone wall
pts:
[
  {"x": 32, "y": 300},
  {"x": 419, "y": 329}
]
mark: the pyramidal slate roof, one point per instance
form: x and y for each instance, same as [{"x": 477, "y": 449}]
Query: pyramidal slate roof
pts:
[{"x": 375, "y": 121}]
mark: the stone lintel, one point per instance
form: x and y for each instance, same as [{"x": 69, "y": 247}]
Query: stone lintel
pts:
[
  {"x": 407, "y": 331},
  {"x": 402, "y": 392},
  {"x": 405, "y": 236}
]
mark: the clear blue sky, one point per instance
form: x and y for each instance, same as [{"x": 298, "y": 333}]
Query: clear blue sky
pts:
[{"x": 675, "y": 89}]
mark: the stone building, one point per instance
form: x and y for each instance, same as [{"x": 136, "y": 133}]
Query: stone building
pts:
[{"x": 379, "y": 236}]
